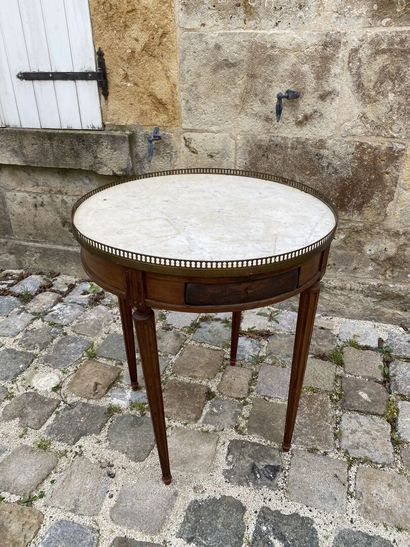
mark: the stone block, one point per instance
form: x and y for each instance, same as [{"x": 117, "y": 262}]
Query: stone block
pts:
[
  {"x": 400, "y": 377},
  {"x": 320, "y": 374},
  {"x": 70, "y": 534},
  {"x": 405, "y": 456},
  {"x": 323, "y": 342},
  {"x": 315, "y": 422},
  {"x": 364, "y": 174},
  {"x": 93, "y": 322},
  {"x": 24, "y": 469},
  {"x": 80, "y": 294},
  {"x": 113, "y": 348},
  {"x": 29, "y": 285},
  {"x": 13, "y": 363},
  {"x": 198, "y": 362},
  {"x": 318, "y": 481},
  {"x": 15, "y": 322},
  {"x": 45, "y": 380},
  {"x": 365, "y": 13},
  {"x": 93, "y": 379},
  {"x": 133, "y": 436},
  {"x": 8, "y": 304},
  {"x": 180, "y": 320},
  {"x": 18, "y": 524},
  {"x": 403, "y": 421},
  {"x": 252, "y": 464},
  {"x": 184, "y": 401},
  {"x": 81, "y": 489},
  {"x": 347, "y": 538},
  {"x": 127, "y": 542},
  {"x": 77, "y": 420},
  {"x": 144, "y": 506},
  {"x": 63, "y": 283},
  {"x": 222, "y": 88},
  {"x": 364, "y": 396},
  {"x": 64, "y": 314},
  {"x": 370, "y": 113},
  {"x": 256, "y": 320},
  {"x": 3, "y": 393},
  {"x": 66, "y": 351},
  {"x": 5, "y": 225},
  {"x": 38, "y": 339},
  {"x": 383, "y": 496},
  {"x": 222, "y": 413},
  {"x": 31, "y": 409},
  {"x": 207, "y": 150},
  {"x": 192, "y": 451},
  {"x": 363, "y": 363},
  {"x": 104, "y": 152},
  {"x": 214, "y": 521},
  {"x": 170, "y": 341},
  {"x": 248, "y": 348},
  {"x": 214, "y": 333},
  {"x": 164, "y": 155},
  {"x": 280, "y": 348},
  {"x": 284, "y": 529},
  {"x": 42, "y": 302},
  {"x": 366, "y": 437},
  {"x": 273, "y": 382},
  {"x": 267, "y": 420},
  {"x": 235, "y": 382}
]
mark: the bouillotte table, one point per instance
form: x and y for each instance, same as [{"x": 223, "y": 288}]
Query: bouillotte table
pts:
[{"x": 205, "y": 240}]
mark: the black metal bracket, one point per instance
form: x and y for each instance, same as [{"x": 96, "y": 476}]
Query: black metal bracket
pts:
[
  {"x": 156, "y": 136},
  {"x": 100, "y": 75},
  {"x": 290, "y": 95}
]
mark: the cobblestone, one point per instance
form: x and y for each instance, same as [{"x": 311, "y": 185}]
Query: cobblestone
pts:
[
  {"x": 93, "y": 322},
  {"x": 42, "y": 302},
  {"x": 70, "y": 534},
  {"x": 64, "y": 314},
  {"x": 400, "y": 377},
  {"x": 13, "y": 363},
  {"x": 366, "y": 363},
  {"x": 18, "y": 524},
  {"x": 235, "y": 382},
  {"x": 323, "y": 342},
  {"x": 364, "y": 396},
  {"x": 314, "y": 422},
  {"x": 179, "y": 320},
  {"x": 184, "y": 401},
  {"x": 366, "y": 437},
  {"x": 80, "y": 295},
  {"x": 280, "y": 348},
  {"x": 46, "y": 380},
  {"x": 320, "y": 374},
  {"x": 39, "y": 338},
  {"x": 222, "y": 413},
  {"x": 198, "y": 362},
  {"x": 93, "y": 379},
  {"x": 127, "y": 542},
  {"x": 273, "y": 382},
  {"x": 214, "y": 333},
  {"x": 113, "y": 348},
  {"x": 30, "y": 285},
  {"x": 32, "y": 409},
  {"x": 274, "y": 527},
  {"x": 267, "y": 420},
  {"x": 403, "y": 422},
  {"x": 348, "y": 538},
  {"x": 133, "y": 436},
  {"x": 170, "y": 341},
  {"x": 192, "y": 451},
  {"x": 8, "y": 304},
  {"x": 66, "y": 351},
  {"x": 77, "y": 420},
  {"x": 15, "y": 322}
]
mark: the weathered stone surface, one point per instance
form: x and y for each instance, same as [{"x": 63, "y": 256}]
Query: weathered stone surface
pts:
[
  {"x": 42, "y": 302},
  {"x": 214, "y": 333},
  {"x": 365, "y": 333},
  {"x": 365, "y": 13},
  {"x": 124, "y": 395},
  {"x": 77, "y": 420},
  {"x": 280, "y": 348},
  {"x": 32, "y": 409},
  {"x": 81, "y": 489},
  {"x": 93, "y": 379},
  {"x": 366, "y": 437},
  {"x": 323, "y": 342},
  {"x": 104, "y": 152},
  {"x": 15, "y": 323},
  {"x": 144, "y": 506},
  {"x": 127, "y": 37},
  {"x": 363, "y": 363},
  {"x": 80, "y": 295},
  {"x": 256, "y": 320},
  {"x": 127, "y": 542},
  {"x": 70, "y": 534},
  {"x": 222, "y": 413},
  {"x": 400, "y": 377},
  {"x": 184, "y": 401},
  {"x": 403, "y": 422},
  {"x": 165, "y": 151},
  {"x": 5, "y": 226},
  {"x": 314, "y": 421},
  {"x": 267, "y": 420},
  {"x": 383, "y": 496},
  {"x": 66, "y": 351},
  {"x": 192, "y": 451},
  {"x": 180, "y": 320},
  {"x": 3, "y": 393},
  {"x": 318, "y": 481},
  {"x": 64, "y": 314},
  {"x": 273, "y": 527},
  {"x": 13, "y": 363},
  {"x": 405, "y": 456},
  {"x": 214, "y": 521},
  {"x": 320, "y": 374},
  {"x": 198, "y": 362},
  {"x": 63, "y": 283},
  {"x": 24, "y": 469},
  {"x": 39, "y": 338},
  {"x": 248, "y": 348},
  {"x": 133, "y": 436},
  {"x": 170, "y": 341},
  {"x": 113, "y": 348},
  {"x": 347, "y": 538},
  {"x": 30, "y": 284},
  {"x": 93, "y": 322},
  {"x": 369, "y": 113},
  {"x": 364, "y": 176},
  {"x": 238, "y": 98},
  {"x": 252, "y": 464},
  {"x": 285, "y": 321},
  {"x": 46, "y": 380},
  {"x": 8, "y": 304},
  {"x": 18, "y": 524},
  {"x": 364, "y": 396},
  {"x": 273, "y": 382},
  {"x": 235, "y": 382},
  {"x": 207, "y": 150}
]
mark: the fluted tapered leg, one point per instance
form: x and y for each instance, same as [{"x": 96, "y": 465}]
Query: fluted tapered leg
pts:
[
  {"x": 129, "y": 340},
  {"x": 236, "y": 325}
]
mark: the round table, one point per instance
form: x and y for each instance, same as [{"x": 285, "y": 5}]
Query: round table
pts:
[{"x": 205, "y": 240}]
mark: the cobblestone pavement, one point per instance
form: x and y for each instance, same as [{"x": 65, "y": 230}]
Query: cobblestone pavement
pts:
[{"x": 78, "y": 464}]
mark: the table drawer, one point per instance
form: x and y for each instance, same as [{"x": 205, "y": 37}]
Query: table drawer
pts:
[{"x": 209, "y": 294}]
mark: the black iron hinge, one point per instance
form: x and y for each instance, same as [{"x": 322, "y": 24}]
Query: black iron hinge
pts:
[{"x": 100, "y": 75}]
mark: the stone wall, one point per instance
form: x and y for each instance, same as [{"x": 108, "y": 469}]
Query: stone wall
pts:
[{"x": 207, "y": 73}]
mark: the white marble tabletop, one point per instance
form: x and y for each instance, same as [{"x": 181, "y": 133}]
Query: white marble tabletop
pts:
[{"x": 204, "y": 217}]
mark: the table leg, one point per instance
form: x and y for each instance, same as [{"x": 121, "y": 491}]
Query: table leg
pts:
[
  {"x": 128, "y": 330},
  {"x": 306, "y": 318},
  {"x": 236, "y": 325},
  {"x": 144, "y": 320}
]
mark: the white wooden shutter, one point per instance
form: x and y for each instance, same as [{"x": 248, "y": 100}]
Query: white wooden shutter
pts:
[{"x": 47, "y": 35}]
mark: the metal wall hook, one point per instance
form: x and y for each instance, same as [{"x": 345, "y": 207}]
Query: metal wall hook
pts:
[
  {"x": 290, "y": 95},
  {"x": 156, "y": 136}
]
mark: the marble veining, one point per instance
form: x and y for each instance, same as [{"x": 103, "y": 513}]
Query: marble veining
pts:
[{"x": 204, "y": 217}]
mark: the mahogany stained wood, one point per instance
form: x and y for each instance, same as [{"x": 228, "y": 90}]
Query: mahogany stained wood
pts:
[
  {"x": 236, "y": 325},
  {"x": 129, "y": 340}
]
